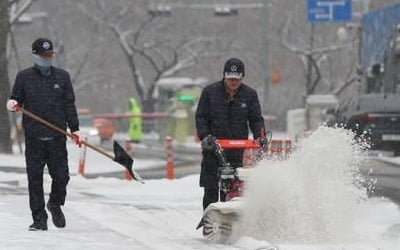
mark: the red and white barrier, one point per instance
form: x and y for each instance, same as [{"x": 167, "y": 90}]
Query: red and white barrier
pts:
[
  {"x": 170, "y": 166},
  {"x": 279, "y": 149},
  {"x": 82, "y": 159},
  {"x": 129, "y": 150}
]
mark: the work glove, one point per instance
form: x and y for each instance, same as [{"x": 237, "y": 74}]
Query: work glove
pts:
[
  {"x": 12, "y": 105},
  {"x": 208, "y": 143},
  {"x": 76, "y": 138},
  {"x": 263, "y": 142}
]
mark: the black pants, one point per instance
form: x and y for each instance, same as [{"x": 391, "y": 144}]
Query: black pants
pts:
[
  {"x": 53, "y": 153},
  {"x": 211, "y": 196}
]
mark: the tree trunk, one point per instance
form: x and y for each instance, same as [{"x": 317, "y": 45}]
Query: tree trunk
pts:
[{"x": 5, "y": 140}]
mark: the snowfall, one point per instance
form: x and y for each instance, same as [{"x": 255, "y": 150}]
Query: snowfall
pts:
[{"x": 313, "y": 200}]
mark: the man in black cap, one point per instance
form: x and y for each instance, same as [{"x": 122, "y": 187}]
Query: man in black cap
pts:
[
  {"x": 47, "y": 92},
  {"x": 226, "y": 109}
]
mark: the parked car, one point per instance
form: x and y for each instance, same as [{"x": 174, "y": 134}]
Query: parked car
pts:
[{"x": 374, "y": 116}]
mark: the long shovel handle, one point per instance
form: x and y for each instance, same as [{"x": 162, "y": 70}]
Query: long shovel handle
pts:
[{"x": 54, "y": 127}]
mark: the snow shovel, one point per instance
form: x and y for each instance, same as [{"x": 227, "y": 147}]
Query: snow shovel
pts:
[{"x": 121, "y": 156}]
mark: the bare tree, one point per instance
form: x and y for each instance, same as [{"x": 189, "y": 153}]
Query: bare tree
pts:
[
  {"x": 312, "y": 59},
  {"x": 164, "y": 55},
  {"x": 10, "y": 11},
  {"x": 5, "y": 141}
]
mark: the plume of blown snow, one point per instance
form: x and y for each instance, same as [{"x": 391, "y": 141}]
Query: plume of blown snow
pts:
[{"x": 312, "y": 196}]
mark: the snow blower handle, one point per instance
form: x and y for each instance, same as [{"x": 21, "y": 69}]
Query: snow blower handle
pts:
[
  {"x": 210, "y": 143},
  {"x": 220, "y": 154},
  {"x": 264, "y": 140},
  {"x": 226, "y": 173}
]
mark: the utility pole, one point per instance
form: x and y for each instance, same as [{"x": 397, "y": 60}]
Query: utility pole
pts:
[
  {"x": 265, "y": 61},
  {"x": 5, "y": 141},
  {"x": 309, "y": 62},
  {"x": 362, "y": 8},
  {"x": 309, "y": 76}
]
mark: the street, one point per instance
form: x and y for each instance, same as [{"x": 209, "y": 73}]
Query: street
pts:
[{"x": 385, "y": 177}]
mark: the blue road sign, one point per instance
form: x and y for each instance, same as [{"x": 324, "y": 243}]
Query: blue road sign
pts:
[{"x": 329, "y": 10}]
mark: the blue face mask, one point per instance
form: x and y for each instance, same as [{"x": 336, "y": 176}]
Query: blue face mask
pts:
[{"x": 41, "y": 62}]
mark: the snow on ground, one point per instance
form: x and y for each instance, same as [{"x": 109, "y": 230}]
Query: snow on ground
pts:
[{"x": 109, "y": 213}]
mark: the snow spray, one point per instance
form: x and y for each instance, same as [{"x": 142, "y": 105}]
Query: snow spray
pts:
[{"x": 313, "y": 196}]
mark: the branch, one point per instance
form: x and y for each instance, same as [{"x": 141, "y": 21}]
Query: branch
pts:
[
  {"x": 353, "y": 66},
  {"x": 14, "y": 48},
  {"x": 178, "y": 65},
  {"x": 11, "y": 2},
  {"x": 341, "y": 88},
  {"x": 284, "y": 41},
  {"x": 297, "y": 50},
  {"x": 350, "y": 78},
  {"x": 143, "y": 26},
  {"x": 114, "y": 28},
  {"x": 327, "y": 49},
  {"x": 88, "y": 14},
  {"x": 80, "y": 67},
  {"x": 160, "y": 53},
  {"x": 191, "y": 59},
  {"x": 315, "y": 82},
  {"x": 16, "y": 13},
  {"x": 146, "y": 53},
  {"x": 89, "y": 81},
  {"x": 304, "y": 60}
]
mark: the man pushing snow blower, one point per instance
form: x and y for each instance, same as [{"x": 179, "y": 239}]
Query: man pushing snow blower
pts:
[
  {"x": 220, "y": 219},
  {"x": 226, "y": 109}
]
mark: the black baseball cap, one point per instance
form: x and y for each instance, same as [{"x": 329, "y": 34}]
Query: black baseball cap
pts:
[
  {"x": 234, "y": 68},
  {"x": 41, "y": 46}
]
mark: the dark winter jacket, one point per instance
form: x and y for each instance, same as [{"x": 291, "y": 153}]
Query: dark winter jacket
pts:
[
  {"x": 49, "y": 97},
  {"x": 230, "y": 119}
]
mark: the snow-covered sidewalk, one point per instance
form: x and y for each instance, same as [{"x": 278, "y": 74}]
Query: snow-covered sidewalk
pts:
[
  {"x": 110, "y": 213},
  {"x": 107, "y": 213}
]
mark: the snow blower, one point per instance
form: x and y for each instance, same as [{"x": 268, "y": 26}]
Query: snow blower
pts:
[{"x": 221, "y": 220}]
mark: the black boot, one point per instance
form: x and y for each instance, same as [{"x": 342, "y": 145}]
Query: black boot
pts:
[
  {"x": 38, "y": 225},
  {"x": 56, "y": 214}
]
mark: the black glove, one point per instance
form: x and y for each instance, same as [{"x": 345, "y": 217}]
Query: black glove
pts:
[
  {"x": 208, "y": 142},
  {"x": 263, "y": 142}
]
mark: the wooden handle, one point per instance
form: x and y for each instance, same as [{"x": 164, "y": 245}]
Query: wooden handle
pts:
[{"x": 48, "y": 124}]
